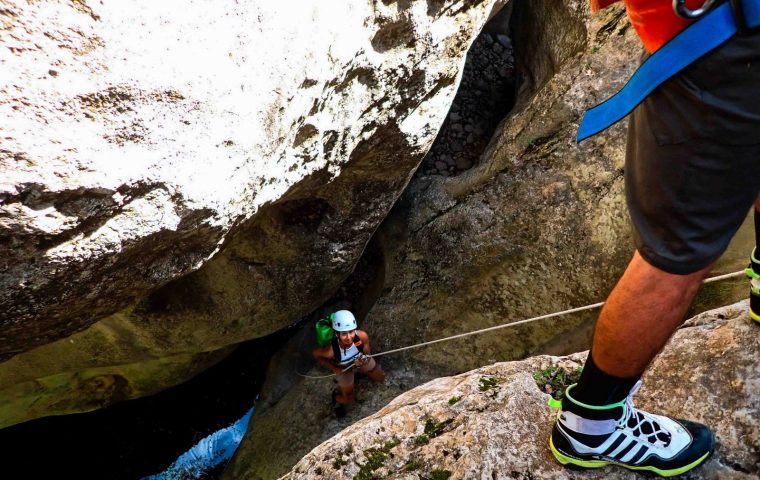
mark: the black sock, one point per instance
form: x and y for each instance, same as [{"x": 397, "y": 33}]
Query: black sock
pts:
[{"x": 598, "y": 388}]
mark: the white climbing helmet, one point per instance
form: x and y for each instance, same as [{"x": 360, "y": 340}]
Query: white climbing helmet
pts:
[{"x": 343, "y": 321}]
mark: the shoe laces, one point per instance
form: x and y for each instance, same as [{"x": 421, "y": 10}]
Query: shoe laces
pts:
[{"x": 643, "y": 424}]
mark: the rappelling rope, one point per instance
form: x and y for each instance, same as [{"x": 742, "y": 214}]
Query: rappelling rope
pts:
[{"x": 513, "y": 324}]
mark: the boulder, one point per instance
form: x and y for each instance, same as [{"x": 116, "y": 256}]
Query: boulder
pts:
[{"x": 194, "y": 176}]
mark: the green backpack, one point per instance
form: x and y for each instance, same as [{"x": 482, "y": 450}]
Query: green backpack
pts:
[{"x": 324, "y": 331}]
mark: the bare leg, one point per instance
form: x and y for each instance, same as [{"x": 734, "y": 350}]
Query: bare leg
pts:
[
  {"x": 345, "y": 388},
  {"x": 642, "y": 312},
  {"x": 345, "y": 395}
]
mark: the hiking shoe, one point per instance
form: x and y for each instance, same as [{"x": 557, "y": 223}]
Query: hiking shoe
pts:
[
  {"x": 339, "y": 410},
  {"x": 753, "y": 272},
  {"x": 618, "y": 434}
]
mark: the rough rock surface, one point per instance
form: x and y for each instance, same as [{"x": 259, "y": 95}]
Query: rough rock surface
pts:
[
  {"x": 494, "y": 422},
  {"x": 277, "y": 137},
  {"x": 129, "y": 153},
  {"x": 537, "y": 226}
]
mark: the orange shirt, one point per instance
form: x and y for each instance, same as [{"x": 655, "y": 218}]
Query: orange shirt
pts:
[{"x": 654, "y": 20}]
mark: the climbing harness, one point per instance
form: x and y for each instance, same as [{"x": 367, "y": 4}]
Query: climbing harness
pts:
[
  {"x": 712, "y": 29},
  {"x": 361, "y": 356},
  {"x": 324, "y": 376},
  {"x": 345, "y": 356},
  {"x": 505, "y": 325}
]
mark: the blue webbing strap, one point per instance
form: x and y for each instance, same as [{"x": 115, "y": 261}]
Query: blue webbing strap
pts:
[{"x": 706, "y": 34}]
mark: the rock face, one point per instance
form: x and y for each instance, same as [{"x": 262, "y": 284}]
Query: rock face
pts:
[
  {"x": 539, "y": 225},
  {"x": 494, "y": 422},
  {"x": 257, "y": 146}
]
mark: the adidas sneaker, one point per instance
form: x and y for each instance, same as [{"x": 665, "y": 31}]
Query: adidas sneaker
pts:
[{"x": 589, "y": 436}]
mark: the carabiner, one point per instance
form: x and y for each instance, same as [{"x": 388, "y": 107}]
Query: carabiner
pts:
[{"x": 679, "y": 6}]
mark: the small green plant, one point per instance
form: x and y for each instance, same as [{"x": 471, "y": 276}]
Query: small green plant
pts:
[
  {"x": 595, "y": 49},
  {"x": 433, "y": 428},
  {"x": 339, "y": 462},
  {"x": 412, "y": 464},
  {"x": 376, "y": 457},
  {"x": 439, "y": 474},
  {"x": 364, "y": 475},
  {"x": 421, "y": 440},
  {"x": 454, "y": 400},
  {"x": 487, "y": 383},
  {"x": 555, "y": 380},
  {"x": 390, "y": 444}
]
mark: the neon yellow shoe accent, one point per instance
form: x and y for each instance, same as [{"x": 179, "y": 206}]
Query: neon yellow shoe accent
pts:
[
  {"x": 565, "y": 460},
  {"x": 754, "y": 316}
]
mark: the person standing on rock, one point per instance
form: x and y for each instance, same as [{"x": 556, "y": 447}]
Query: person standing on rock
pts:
[
  {"x": 349, "y": 348},
  {"x": 692, "y": 172}
]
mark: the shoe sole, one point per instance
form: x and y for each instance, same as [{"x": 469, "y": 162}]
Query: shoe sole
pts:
[
  {"x": 588, "y": 464},
  {"x": 754, "y": 316}
]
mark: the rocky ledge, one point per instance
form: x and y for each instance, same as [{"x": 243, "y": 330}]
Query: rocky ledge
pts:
[{"x": 494, "y": 422}]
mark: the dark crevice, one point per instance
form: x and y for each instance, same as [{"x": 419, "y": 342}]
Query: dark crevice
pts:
[
  {"x": 486, "y": 95},
  {"x": 140, "y": 437}
]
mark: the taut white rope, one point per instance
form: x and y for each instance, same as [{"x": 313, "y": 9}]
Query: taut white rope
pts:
[{"x": 513, "y": 324}]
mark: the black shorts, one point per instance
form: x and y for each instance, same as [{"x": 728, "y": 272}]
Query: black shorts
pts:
[{"x": 692, "y": 167}]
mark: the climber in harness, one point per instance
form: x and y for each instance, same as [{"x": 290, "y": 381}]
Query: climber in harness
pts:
[
  {"x": 692, "y": 172},
  {"x": 346, "y": 354}
]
